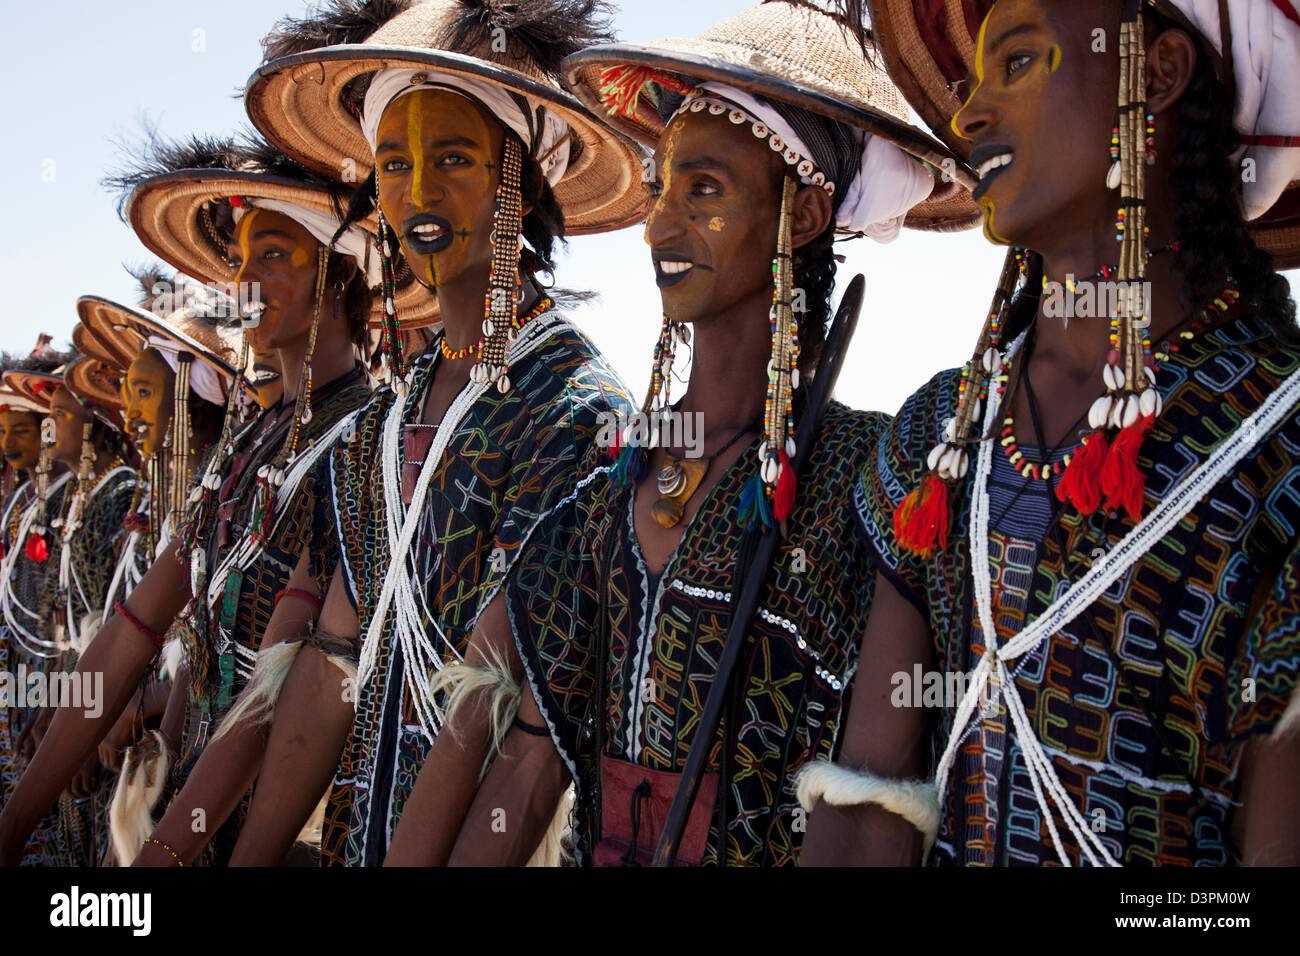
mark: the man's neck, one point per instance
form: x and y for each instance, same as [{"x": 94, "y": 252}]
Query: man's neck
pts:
[
  {"x": 460, "y": 306},
  {"x": 729, "y": 356}
]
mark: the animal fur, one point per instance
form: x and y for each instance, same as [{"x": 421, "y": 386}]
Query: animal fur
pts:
[
  {"x": 329, "y": 23},
  {"x": 544, "y": 30},
  {"x": 173, "y": 656},
  {"x": 915, "y": 801},
  {"x": 460, "y": 683},
  {"x": 87, "y": 628},
  {"x": 139, "y": 785},
  {"x": 1290, "y": 722},
  {"x": 256, "y": 705},
  {"x": 553, "y": 850}
]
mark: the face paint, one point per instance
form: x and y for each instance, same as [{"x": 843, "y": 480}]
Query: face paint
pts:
[
  {"x": 714, "y": 175},
  {"x": 1039, "y": 116},
  {"x": 21, "y": 443},
  {"x": 437, "y": 159},
  {"x": 268, "y": 387},
  {"x": 149, "y": 387},
  {"x": 68, "y": 417},
  {"x": 280, "y": 255}
]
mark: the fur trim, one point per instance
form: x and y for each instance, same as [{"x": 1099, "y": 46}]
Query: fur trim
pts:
[
  {"x": 460, "y": 682},
  {"x": 545, "y": 31},
  {"x": 554, "y": 848},
  {"x": 256, "y": 704},
  {"x": 87, "y": 628},
  {"x": 1290, "y": 721},
  {"x": 915, "y": 801},
  {"x": 173, "y": 656},
  {"x": 139, "y": 785},
  {"x": 311, "y": 831},
  {"x": 328, "y": 24}
]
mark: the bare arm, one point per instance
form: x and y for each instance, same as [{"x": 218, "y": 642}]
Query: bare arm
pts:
[
  {"x": 1267, "y": 825},
  {"x": 308, "y": 731},
  {"x": 888, "y": 740},
  {"x": 516, "y": 801},
  {"x": 435, "y": 811},
  {"x": 230, "y": 763},
  {"x": 121, "y": 654}
]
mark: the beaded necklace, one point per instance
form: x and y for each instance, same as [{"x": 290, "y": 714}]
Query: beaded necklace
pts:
[
  {"x": 516, "y": 323},
  {"x": 1152, "y": 360}
]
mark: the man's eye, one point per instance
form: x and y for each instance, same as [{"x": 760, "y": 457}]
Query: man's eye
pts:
[
  {"x": 705, "y": 189},
  {"x": 394, "y": 165},
  {"x": 453, "y": 159},
  {"x": 271, "y": 254},
  {"x": 1017, "y": 63}
]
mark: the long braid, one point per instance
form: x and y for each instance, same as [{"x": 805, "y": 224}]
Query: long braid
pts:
[{"x": 1214, "y": 243}]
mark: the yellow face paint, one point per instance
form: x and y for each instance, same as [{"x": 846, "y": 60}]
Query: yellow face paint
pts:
[
  {"x": 670, "y": 150},
  {"x": 717, "y": 224},
  {"x": 979, "y": 75},
  {"x": 242, "y": 235},
  {"x": 1053, "y": 59},
  {"x": 989, "y": 232},
  {"x": 298, "y": 258}
]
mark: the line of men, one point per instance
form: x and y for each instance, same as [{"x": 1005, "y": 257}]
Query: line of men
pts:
[{"x": 438, "y": 590}]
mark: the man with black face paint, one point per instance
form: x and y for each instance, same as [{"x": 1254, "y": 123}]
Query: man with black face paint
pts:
[
  {"x": 1092, "y": 527},
  {"x": 476, "y": 174},
  {"x": 593, "y": 664}
]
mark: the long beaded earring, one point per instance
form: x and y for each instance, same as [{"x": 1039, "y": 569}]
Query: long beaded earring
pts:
[
  {"x": 769, "y": 494},
  {"x": 921, "y": 521},
  {"x": 391, "y": 347},
  {"x": 37, "y": 548},
  {"x": 1105, "y": 472},
  {"x": 501, "y": 303},
  {"x": 628, "y": 449},
  {"x": 271, "y": 475},
  {"x": 179, "y": 479}
]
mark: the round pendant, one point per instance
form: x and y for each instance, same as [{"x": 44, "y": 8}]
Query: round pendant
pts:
[{"x": 671, "y": 479}]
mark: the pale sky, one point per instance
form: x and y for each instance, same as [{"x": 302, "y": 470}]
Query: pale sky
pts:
[{"x": 80, "y": 77}]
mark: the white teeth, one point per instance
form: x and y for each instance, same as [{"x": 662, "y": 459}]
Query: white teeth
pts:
[
  {"x": 674, "y": 268},
  {"x": 428, "y": 231},
  {"x": 997, "y": 162}
]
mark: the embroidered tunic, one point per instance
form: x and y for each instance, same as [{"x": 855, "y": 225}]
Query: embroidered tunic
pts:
[
  {"x": 666, "y": 635},
  {"x": 236, "y": 622},
  {"x": 506, "y": 462},
  {"x": 1205, "y": 627}
]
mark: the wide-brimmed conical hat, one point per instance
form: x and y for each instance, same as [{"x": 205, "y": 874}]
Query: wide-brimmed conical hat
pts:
[
  {"x": 309, "y": 103},
  {"x": 95, "y": 382},
  {"x": 794, "y": 54}
]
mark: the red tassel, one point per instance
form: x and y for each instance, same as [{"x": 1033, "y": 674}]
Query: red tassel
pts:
[
  {"x": 616, "y": 445},
  {"x": 1122, "y": 481},
  {"x": 783, "y": 502},
  {"x": 37, "y": 550},
  {"x": 1080, "y": 485},
  {"x": 921, "y": 521}
]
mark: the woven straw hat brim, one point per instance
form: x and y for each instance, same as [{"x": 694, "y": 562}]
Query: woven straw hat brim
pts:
[
  {"x": 95, "y": 383},
  {"x": 90, "y": 342},
  {"x": 12, "y": 400},
  {"x": 296, "y": 102},
  {"x": 36, "y": 387},
  {"x": 929, "y": 66},
  {"x": 126, "y": 327},
  {"x": 164, "y": 212}
]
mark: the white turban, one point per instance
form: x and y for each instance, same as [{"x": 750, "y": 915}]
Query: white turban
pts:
[
  {"x": 322, "y": 225},
  {"x": 1266, "y": 64},
  {"x": 888, "y": 183},
  {"x": 205, "y": 381},
  {"x": 549, "y": 145}
]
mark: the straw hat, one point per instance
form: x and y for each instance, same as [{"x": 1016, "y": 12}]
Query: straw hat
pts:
[
  {"x": 95, "y": 382},
  {"x": 19, "y": 403},
  {"x": 929, "y": 48},
  {"x": 309, "y": 103},
  {"x": 124, "y": 328},
  {"x": 180, "y": 205},
  {"x": 36, "y": 388},
  {"x": 795, "y": 54}
]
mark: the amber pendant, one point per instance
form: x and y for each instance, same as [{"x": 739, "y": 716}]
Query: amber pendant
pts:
[{"x": 677, "y": 481}]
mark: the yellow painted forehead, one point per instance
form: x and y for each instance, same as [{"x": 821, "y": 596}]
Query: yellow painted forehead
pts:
[{"x": 432, "y": 113}]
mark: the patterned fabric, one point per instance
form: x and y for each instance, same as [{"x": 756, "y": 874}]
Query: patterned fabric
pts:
[
  {"x": 1205, "y": 627},
  {"x": 510, "y": 459},
  {"x": 237, "y": 624},
  {"x": 666, "y": 634},
  {"x": 33, "y": 586}
]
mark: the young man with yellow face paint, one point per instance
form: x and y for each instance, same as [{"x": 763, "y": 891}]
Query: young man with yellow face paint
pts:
[
  {"x": 265, "y": 227},
  {"x": 471, "y": 445},
  {"x": 1052, "y": 522}
]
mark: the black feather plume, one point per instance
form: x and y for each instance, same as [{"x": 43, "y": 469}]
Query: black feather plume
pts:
[
  {"x": 546, "y": 31},
  {"x": 329, "y": 23}
]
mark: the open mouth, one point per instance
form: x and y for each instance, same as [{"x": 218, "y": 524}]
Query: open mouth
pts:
[
  {"x": 427, "y": 235},
  {"x": 989, "y": 162},
  {"x": 264, "y": 375},
  {"x": 252, "y": 313},
  {"x": 671, "y": 269}
]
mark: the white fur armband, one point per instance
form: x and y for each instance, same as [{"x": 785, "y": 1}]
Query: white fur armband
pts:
[
  {"x": 914, "y": 801},
  {"x": 1290, "y": 721}
]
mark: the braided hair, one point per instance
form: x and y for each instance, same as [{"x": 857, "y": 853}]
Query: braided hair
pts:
[
  {"x": 1214, "y": 243},
  {"x": 814, "y": 274}
]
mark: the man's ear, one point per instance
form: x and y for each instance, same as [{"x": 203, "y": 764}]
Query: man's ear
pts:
[
  {"x": 1171, "y": 60},
  {"x": 810, "y": 215}
]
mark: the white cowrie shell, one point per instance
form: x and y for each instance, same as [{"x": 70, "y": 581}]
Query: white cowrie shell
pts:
[
  {"x": 937, "y": 452},
  {"x": 1147, "y": 402},
  {"x": 1116, "y": 419},
  {"x": 794, "y": 377},
  {"x": 977, "y": 409},
  {"x": 1130, "y": 410},
  {"x": 789, "y": 447},
  {"x": 950, "y": 430},
  {"x": 1113, "y": 176},
  {"x": 1151, "y": 373},
  {"x": 991, "y": 358},
  {"x": 1099, "y": 413},
  {"x": 1108, "y": 376},
  {"x": 963, "y": 464}
]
